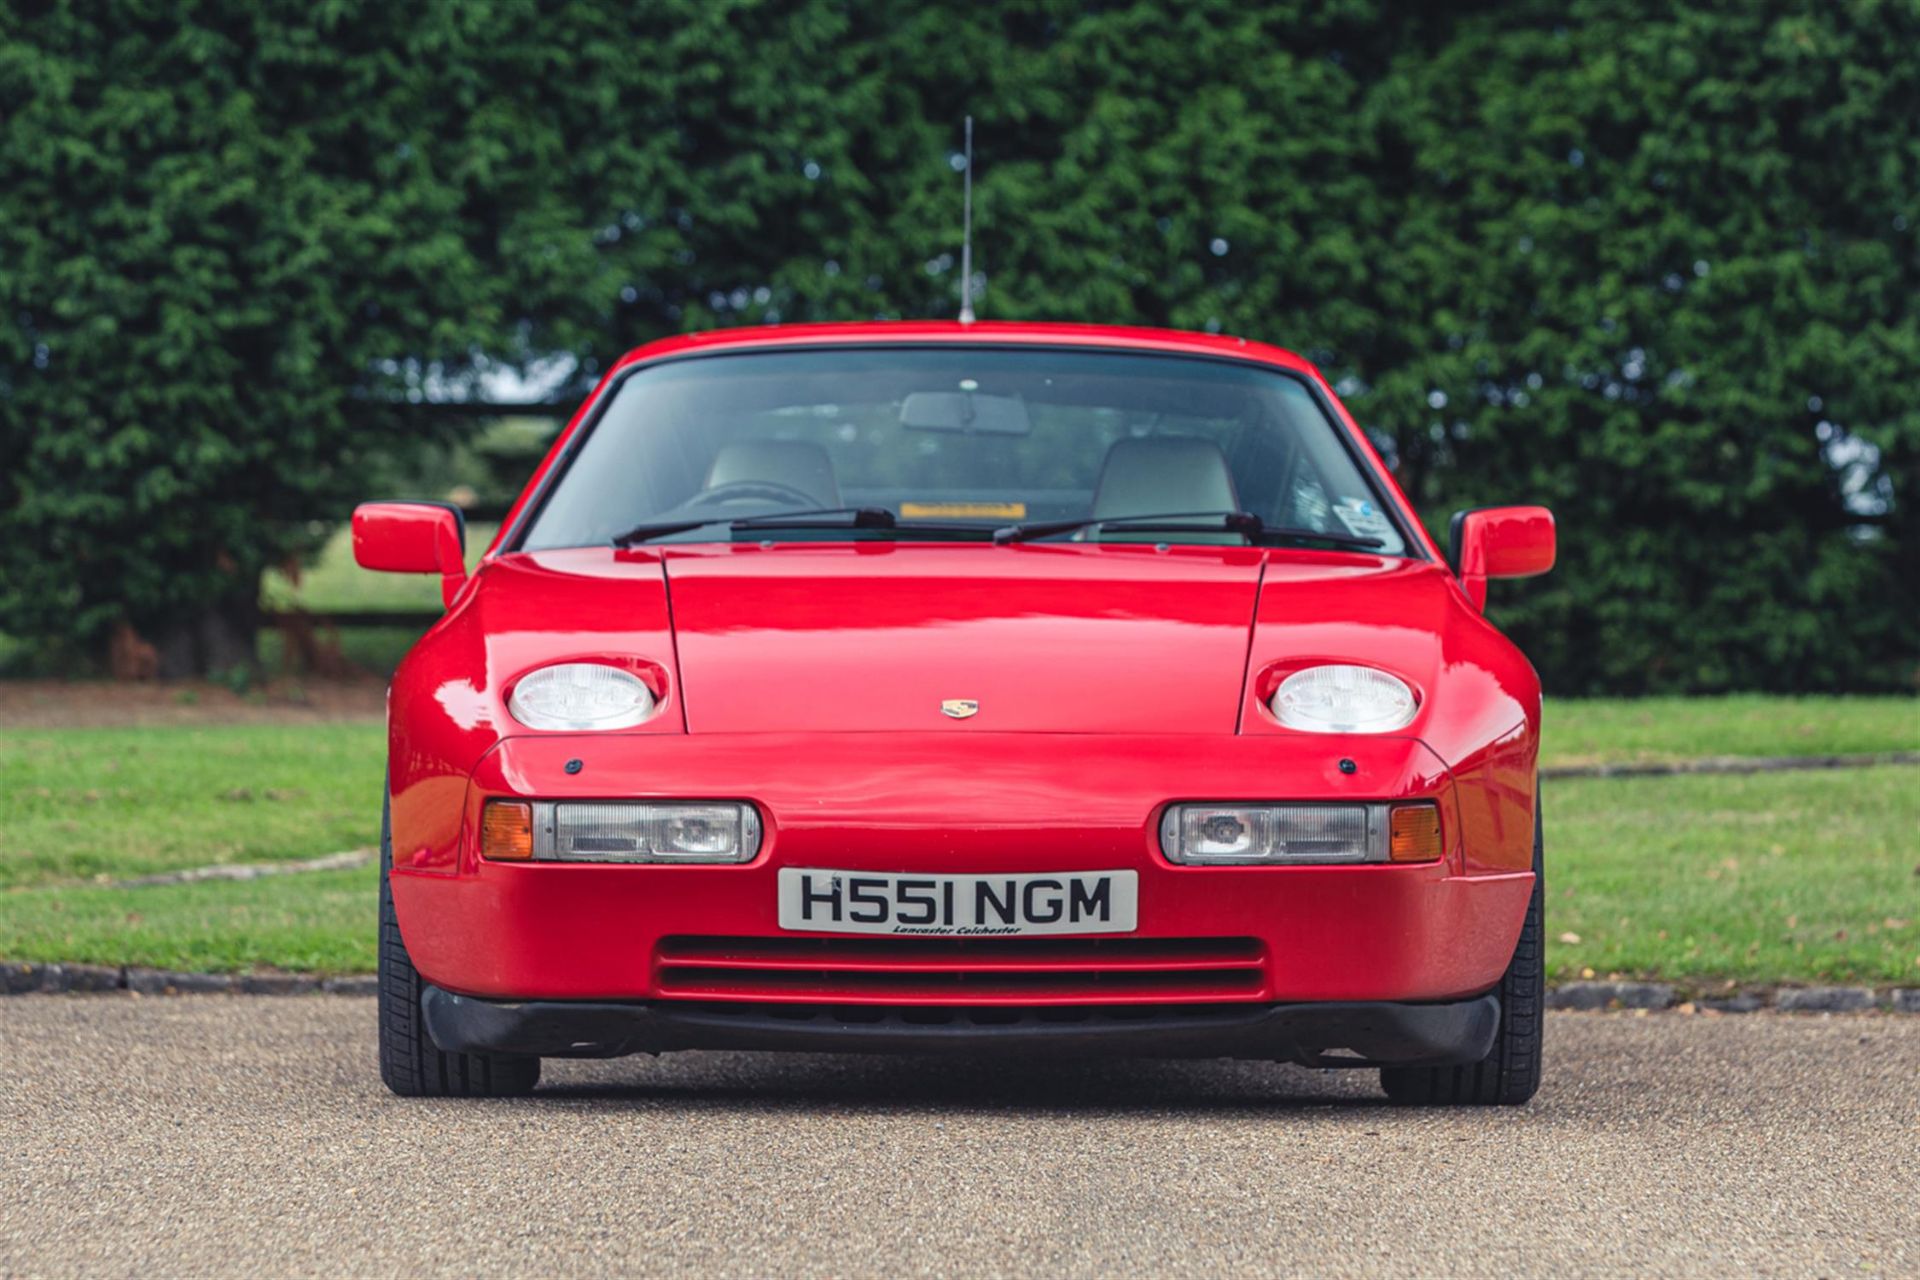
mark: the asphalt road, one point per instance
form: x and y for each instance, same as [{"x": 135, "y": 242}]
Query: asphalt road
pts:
[{"x": 227, "y": 1135}]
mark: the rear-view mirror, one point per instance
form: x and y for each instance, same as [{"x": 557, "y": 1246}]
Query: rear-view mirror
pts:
[
  {"x": 1499, "y": 542},
  {"x": 965, "y": 411},
  {"x": 413, "y": 537}
]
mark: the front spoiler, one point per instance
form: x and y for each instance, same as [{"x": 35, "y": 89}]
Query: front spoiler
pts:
[{"x": 1371, "y": 1033}]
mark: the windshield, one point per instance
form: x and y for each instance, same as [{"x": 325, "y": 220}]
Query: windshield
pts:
[{"x": 953, "y": 443}]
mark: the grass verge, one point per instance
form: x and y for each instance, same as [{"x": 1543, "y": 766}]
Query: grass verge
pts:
[
  {"x": 322, "y": 922},
  {"x": 1783, "y": 877},
  {"x": 82, "y": 803},
  {"x": 1631, "y": 730}
]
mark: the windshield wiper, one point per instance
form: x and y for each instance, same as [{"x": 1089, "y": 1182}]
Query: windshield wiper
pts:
[
  {"x": 857, "y": 518},
  {"x": 862, "y": 518},
  {"x": 1245, "y": 523},
  {"x": 819, "y": 518},
  {"x": 1351, "y": 541},
  {"x": 1241, "y": 522},
  {"x": 1168, "y": 521},
  {"x": 644, "y": 532}
]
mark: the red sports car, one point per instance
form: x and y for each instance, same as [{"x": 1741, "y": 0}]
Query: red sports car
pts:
[{"x": 937, "y": 687}]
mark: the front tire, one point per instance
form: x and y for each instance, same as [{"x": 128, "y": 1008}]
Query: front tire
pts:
[
  {"x": 411, "y": 1064},
  {"x": 1510, "y": 1075}
]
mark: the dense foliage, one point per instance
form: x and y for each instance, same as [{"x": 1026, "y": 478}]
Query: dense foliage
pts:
[{"x": 1656, "y": 268}]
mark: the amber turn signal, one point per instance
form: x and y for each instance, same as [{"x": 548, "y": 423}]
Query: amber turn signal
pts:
[
  {"x": 506, "y": 831},
  {"x": 1415, "y": 833}
]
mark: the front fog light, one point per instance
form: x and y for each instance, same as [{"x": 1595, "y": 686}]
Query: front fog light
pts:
[
  {"x": 1339, "y": 698},
  {"x": 1254, "y": 834},
  {"x": 622, "y": 831},
  {"x": 1202, "y": 833}
]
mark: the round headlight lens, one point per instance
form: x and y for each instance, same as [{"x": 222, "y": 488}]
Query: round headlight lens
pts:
[
  {"x": 1343, "y": 699},
  {"x": 581, "y": 695}
]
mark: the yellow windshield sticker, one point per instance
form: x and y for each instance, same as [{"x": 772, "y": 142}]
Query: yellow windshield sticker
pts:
[{"x": 963, "y": 510}]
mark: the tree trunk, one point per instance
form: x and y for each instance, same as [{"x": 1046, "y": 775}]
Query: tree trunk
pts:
[{"x": 222, "y": 636}]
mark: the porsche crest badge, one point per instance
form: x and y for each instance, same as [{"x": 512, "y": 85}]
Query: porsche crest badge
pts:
[{"x": 959, "y": 708}]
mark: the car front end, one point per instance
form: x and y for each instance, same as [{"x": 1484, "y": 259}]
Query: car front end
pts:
[{"x": 939, "y": 766}]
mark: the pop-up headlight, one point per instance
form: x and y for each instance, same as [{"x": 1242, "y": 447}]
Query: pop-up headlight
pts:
[
  {"x": 1340, "y": 698},
  {"x": 580, "y": 695}
]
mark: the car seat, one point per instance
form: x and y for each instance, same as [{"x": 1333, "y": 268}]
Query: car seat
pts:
[{"x": 796, "y": 464}]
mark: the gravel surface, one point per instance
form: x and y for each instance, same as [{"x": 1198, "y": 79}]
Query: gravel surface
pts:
[{"x": 223, "y": 1135}]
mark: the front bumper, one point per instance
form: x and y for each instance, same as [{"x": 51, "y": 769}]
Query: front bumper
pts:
[
  {"x": 969, "y": 802},
  {"x": 1320, "y": 1035}
]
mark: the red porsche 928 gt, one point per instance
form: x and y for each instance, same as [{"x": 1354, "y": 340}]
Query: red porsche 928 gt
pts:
[{"x": 937, "y": 687}]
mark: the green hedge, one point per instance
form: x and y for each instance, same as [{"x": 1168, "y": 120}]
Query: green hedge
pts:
[{"x": 1654, "y": 268}]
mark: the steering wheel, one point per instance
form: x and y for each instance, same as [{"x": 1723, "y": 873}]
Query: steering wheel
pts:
[{"x": 749, "y": 490}]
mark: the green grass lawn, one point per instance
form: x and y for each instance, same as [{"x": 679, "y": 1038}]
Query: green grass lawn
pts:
[
  {"x": 1622, "y": 730},
  {"x": 1810, "y": 876},
  {"x": 81, "y": 803},
  {"x": 320, "y": 922},
  {"x": 1807, "y": 877}
]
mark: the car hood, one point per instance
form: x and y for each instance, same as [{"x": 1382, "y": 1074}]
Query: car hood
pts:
[
  {"x": 885, "y": 636},
  {"x": 1034, "y": 638}
]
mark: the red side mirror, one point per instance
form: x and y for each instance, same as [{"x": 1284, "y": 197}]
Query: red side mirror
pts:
[
  {"x": 413, "y": 537},
  {"x": 1499, "y": 542}
]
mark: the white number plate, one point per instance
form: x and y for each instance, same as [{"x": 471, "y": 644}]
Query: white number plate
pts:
[{"x": 971, "y": 906}]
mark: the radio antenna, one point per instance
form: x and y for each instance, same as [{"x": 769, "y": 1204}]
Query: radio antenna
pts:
[{"x": 966, "y": 234}]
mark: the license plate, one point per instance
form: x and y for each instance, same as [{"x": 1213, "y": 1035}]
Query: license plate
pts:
[{"x": 954, "y": 906}]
